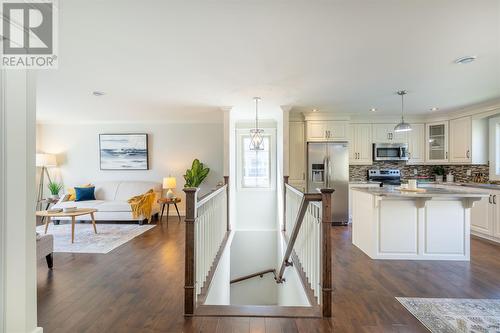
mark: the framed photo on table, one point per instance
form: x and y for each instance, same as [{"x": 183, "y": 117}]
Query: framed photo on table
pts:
[{"x": 123, "y": 152}]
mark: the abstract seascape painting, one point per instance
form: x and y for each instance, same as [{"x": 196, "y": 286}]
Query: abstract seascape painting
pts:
[{"x": 123, "y": 151}]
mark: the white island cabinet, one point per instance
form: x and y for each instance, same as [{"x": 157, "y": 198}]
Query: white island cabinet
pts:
[{"x": 435, "y": 225}]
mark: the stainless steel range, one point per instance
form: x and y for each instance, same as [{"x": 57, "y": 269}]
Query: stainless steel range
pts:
[{"x": 385, "y": 176}]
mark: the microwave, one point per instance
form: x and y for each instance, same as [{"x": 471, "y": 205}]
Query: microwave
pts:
[{"x": 390, "y": 152}]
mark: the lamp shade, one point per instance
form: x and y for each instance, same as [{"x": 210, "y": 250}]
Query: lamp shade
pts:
[
  {"x": 169, "y": 182},
  {"x": 46, "y": 160}
]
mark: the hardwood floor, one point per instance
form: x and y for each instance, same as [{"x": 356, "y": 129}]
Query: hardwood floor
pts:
[{"x": 138, "y": 287}]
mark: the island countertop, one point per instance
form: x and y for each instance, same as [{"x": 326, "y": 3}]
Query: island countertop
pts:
[{"x": 431, "y": 192}]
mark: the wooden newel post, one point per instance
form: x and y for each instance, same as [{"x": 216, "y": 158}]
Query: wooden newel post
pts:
[
  {"x": 285, "y": 181},
  {"x": 326, "y": 252},
  {"x": 189, "y": 257},
  {"x": 226, "y": 181}
]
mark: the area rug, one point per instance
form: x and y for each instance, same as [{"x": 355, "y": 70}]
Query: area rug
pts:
[
  {"x": 447, "y": 315},
  {"x": 108, "y": 237}
]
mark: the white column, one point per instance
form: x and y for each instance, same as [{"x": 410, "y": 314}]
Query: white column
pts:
[
  {"x": 17, "y": 200},
  {"x": 286, "y": 134},
  {"x": 226, "y": 124}
]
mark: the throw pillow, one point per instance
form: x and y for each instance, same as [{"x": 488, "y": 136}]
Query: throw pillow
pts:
[
  {"x": 72, "y": 194},
  {"x": 84, "y": 193}
]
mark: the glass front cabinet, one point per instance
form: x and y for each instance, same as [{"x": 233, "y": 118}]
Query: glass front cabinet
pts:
[{"x": 437, "y": 142}]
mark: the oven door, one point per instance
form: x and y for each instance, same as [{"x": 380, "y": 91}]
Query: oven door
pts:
[{"x": 390, "y": 152}]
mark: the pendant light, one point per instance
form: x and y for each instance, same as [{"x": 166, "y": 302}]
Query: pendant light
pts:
[
  {"x": 402, "y": 126},
  {"x": 257, "y": 140}
]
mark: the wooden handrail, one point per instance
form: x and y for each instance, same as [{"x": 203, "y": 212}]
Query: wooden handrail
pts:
[
  {"x": 325, "y": 197},
  {"x": 306, "y": 198},
  {"x": 207, "y": 197},
  {"x": 249, "y": 276}
]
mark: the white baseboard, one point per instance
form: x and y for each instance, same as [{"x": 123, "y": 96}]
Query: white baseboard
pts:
[{"x": 37, "y": 330}]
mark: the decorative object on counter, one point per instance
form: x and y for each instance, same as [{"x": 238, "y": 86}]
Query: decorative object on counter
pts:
[
  {"x": 195, "y": 176},
  {"x": 479, "y": 177},
  {"x": 123, "y": 151},
  {"x": 402, "y": 126},
  {"x": 54, "y": 189},
  {"x": 450, "y": 178},
  {"x": 169, "y": 183},
  {"x": 438, "y": 171},
  {"x": 407, "y": 189}
]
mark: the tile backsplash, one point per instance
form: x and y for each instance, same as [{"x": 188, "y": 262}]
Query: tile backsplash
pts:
[{"x": 359, "y": 172}]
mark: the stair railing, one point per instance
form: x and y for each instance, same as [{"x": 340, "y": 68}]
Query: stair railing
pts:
[
  {"x": 306, "y": 229},
  {"x": 207, "y": 231}
]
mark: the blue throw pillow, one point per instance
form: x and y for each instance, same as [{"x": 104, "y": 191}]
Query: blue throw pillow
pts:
[{"x": 84, "y": 193}]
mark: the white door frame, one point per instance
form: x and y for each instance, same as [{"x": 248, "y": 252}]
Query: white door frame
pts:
[{"x": 2, "y": 205}]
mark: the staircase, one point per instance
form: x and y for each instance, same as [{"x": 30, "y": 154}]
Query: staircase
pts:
[{"x": 302, "y": 276}]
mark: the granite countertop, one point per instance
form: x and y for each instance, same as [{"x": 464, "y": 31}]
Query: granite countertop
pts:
[
  {"x": 391, "y": 191},
  {"x": 474, "y": 185}
]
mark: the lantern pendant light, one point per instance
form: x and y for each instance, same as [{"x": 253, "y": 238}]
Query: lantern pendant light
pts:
[
  {"x": 257, "y": 140},
  {"x": 402, "y": 126}
]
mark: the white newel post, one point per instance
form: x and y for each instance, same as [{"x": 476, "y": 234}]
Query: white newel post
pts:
[{"x": 17, "y": 202}]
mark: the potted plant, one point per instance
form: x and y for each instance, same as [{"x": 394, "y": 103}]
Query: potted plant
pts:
[
  {"x": 195, "y": 176},
  {"x": 438, "y": 171},
  {"x": 54, "y": 189}
]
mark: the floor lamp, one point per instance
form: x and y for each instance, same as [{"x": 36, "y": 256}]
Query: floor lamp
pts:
[{"x": 44, "y": 161}]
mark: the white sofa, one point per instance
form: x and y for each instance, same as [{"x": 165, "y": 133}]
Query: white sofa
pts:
[{"x": 111, "y": 200}]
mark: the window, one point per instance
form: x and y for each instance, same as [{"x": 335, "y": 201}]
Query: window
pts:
[{"x": 256, "y": 165}]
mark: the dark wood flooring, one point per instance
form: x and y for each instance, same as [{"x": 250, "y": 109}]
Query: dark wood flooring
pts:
[{"x": 138, "y": 287}]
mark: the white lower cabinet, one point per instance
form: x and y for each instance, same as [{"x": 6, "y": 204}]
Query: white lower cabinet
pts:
[
  {"x": 350, "y": 193},
  {"x": 485, "y": 216}
]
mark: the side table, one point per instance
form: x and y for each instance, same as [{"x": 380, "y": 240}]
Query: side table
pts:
[{"x": 167, "y": 202}]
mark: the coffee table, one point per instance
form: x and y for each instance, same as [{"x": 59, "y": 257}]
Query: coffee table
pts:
[{"x": 79, "y": 212}]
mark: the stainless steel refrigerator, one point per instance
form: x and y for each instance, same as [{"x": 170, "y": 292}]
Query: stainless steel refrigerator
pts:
[{"x": 328, "y": 167}]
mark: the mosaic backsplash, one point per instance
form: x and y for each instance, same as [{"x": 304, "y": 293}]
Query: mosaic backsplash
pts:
[{"x": 359, "y": 172}]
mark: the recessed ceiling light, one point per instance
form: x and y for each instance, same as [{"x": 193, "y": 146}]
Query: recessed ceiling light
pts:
[
  {"x": 465, "y": 60},
  {"x": 314, "y": 110},
  {"x": 373, "y": 109},
  {"x": 434, "y": 109},
  {"x": 98, "y": 93}
]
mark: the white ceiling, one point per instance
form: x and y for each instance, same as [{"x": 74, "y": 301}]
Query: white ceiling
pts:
[{"x": 183, "y": 60}]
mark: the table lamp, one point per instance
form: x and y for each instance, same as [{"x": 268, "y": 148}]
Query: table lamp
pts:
[{"x": 169, "y": 183}]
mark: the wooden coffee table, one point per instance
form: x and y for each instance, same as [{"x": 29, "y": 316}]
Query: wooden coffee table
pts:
[{"x": 79, "y": 212}]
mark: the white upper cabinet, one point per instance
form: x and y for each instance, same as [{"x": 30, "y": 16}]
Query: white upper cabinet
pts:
[
  {"x": 297, "y": 152},
  {"x": 460, "y": 140},
  {"x": 385, "y": 133},
  {"x": 326, "y": 130},
  {"x": 360, "y": 144},
  {"x": 436, "y": 138},
  {"x": 416, "y": 144}
]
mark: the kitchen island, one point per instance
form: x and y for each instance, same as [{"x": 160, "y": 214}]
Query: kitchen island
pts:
[{"x": 433, "y": 225}]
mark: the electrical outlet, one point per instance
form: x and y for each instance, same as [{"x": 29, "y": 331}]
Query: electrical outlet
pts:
[
  {"x": 469, "y": 172},
  {"x": 415, "y": 171}
]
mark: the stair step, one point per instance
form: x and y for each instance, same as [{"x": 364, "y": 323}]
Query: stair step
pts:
[{"x": 258, "y": 311}]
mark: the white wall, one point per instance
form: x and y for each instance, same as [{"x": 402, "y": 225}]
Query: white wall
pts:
[
  {"x": 219, "y": 292},
  {"x": 253, "y": 251},
  {"x": 172, "y": 148},
  {"x": 17, "y": 209}
]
